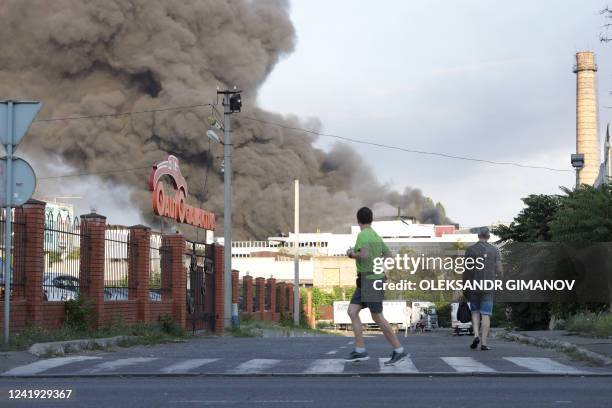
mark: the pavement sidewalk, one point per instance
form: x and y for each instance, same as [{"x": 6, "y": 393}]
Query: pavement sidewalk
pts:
[{"x": 597, "y": 349}]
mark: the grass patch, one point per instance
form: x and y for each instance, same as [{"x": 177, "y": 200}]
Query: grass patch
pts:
[
  {"x": 165, "y": 330},
  {"x": 592, "y": 324},
  {"x": 250, "y": 327}
]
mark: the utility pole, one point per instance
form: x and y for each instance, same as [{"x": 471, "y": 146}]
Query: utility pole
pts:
[
  {"x": 231, "y": 103},
  {"x": 8, "y": 219},
  {"x": 296, "y": 277}
]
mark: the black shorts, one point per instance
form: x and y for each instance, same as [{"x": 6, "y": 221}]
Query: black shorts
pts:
[{"x": 367, "y": 297}]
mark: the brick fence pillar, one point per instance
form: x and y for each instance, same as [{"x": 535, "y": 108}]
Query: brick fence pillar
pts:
[
  {"x": 290, "y": 298},
  {"x": 219, "y": 290},
  {"x": 310, "y": 311},
  {"x": 174, "y": 275},
  {"x": 247, "y": 284},
  {"x": 93, "y": 232},
  {"x": 272, "y": 285},
  {"x": 260, "y": 283},
  {"x": 282, "y": 299},
  {"x": 235, "y": 286},
  {"x": 139, "y": 265},
  {"x": 29, "y": 256}
]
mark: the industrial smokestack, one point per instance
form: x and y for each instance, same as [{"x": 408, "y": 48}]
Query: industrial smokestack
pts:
[{"x": 587, "y": 134}]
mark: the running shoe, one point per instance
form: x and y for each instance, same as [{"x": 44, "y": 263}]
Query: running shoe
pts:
[
  {"x": 396, "y": 358},
  {"x": 355, "y": 356}
]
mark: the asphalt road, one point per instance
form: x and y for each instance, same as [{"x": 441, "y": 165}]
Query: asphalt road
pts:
[
  {"x": 310, "y": 372},
  {"x": 319, "y": 392},
  {"x": 431, "y": 353}
]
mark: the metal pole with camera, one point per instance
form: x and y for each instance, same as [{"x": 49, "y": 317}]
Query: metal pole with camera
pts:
[
  {"x": 232, "y": 103},
  {"x": 578, "y": 164}
]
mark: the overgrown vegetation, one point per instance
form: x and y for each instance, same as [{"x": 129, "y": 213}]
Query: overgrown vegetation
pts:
[
  {"x": 593, "y": 324},
  {"x": 55, "y": 256},
  {"x": 75, "y": 253},
  {"x": 164, "y": 330},
  {"x": 79, "y": 314},
  {"x": 580, "y": 215}
]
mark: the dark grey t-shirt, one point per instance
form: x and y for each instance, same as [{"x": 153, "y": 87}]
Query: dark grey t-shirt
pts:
[{"x": 489, "y": 256}]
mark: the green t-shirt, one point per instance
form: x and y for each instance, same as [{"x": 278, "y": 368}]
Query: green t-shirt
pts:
[{"x": 368, "y": 238}]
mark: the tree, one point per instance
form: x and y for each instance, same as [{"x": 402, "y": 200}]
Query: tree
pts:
[
  {"x": 530, "y": 225},
  {"x": 584, "y": 214}
]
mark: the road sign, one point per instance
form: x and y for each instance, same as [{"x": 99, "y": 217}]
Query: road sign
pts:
[
  {"x": 18, "y": 182},
  {"x": 23, "y": 115},
  {"x": 24, "y": 182}
]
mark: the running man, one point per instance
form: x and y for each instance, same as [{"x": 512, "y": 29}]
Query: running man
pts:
[{"x": 369, "y": 246}]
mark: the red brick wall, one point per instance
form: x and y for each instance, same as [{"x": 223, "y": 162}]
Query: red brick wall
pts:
[
  {"x": 120, "y": 311},
  {"x": 219, "y": 290},
  {"x": 53, "y": 315},
  {"x": 325, "y": 312},
  {"x": 247, "y": 283},
  {"x": 18, "y": 315},
  {"x": 93, "y": 229},
  {"x": 139, "y": 265},
  {"x": 157, "y": 310},
  {"x": 31, "y": 308},
  {"x": 174, "y": 245}
]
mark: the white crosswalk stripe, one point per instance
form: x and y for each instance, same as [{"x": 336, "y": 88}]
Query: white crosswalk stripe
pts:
[
  {"x": 326, "y": 366},
  {"x": 256, "y": 365},
  {"x": 116, "y": 364},
  {"x": 404, "y": 366},
  {"x": 544, "y": 365},
  {"x": 44, "y": 365},
  {"x": 466, "y": 365},
  {"x": 186, "y": 366}
]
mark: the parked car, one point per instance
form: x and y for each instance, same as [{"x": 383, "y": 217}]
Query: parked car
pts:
[
  {"x": 122, "y": 294},
  {"x": 58, "y": 287}
]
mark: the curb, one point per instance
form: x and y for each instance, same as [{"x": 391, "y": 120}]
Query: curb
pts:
[
  {"x": 562, "y": 345},
  {"x": 71, "y": 346},
  {"x": 515, "y": 374}
]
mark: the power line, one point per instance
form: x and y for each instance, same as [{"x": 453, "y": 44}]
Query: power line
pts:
[
  {"x": 309, "y": 131},
  {"x": 108, "y": 115},
  {"x": 403, "y": 149}
]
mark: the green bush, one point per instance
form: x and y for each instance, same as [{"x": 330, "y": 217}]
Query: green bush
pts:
[
  {"x": 444, "y": 313},
  {"x": 79, "y": 314},
  {"x": 75, "y": 253},
  {"x": 498, "y": 318},
  {"x": 595, "y": 324},
  {"x": 55, "y": 256},
  {"x": 169, "y": 326},
  {"x": 529, "y": 316}
]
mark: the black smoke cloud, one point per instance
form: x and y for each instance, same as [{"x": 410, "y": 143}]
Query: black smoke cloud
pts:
[{"x": 90, "y": 57}]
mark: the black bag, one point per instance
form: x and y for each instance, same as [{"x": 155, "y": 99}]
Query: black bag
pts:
[{"x": 464, "y": 314}]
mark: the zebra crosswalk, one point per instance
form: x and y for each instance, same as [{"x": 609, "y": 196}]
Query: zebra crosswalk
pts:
[{"x": 94, "y": 365}]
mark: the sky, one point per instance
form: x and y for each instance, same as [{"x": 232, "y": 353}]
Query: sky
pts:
[{"x": 474, "y": 78}]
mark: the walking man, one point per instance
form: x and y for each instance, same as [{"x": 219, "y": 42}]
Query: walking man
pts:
[
  {"x": 481, "y": 301},
  {"x": 369, "y": 246}
]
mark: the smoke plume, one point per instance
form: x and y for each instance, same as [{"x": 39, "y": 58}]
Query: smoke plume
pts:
[{"x": 104, "y": 56}]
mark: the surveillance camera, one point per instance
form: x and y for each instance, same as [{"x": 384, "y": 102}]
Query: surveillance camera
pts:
[{"x": 578, "y": 161}]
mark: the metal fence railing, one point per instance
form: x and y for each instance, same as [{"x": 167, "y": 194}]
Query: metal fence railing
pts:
[
  {"x": 17, "y": 267},
  {"x": 267, "y": 297},
  {"x": 159, "y": 256},
  {"x": 62, "y": 249},
  {"x": 117, "y": 284}
]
